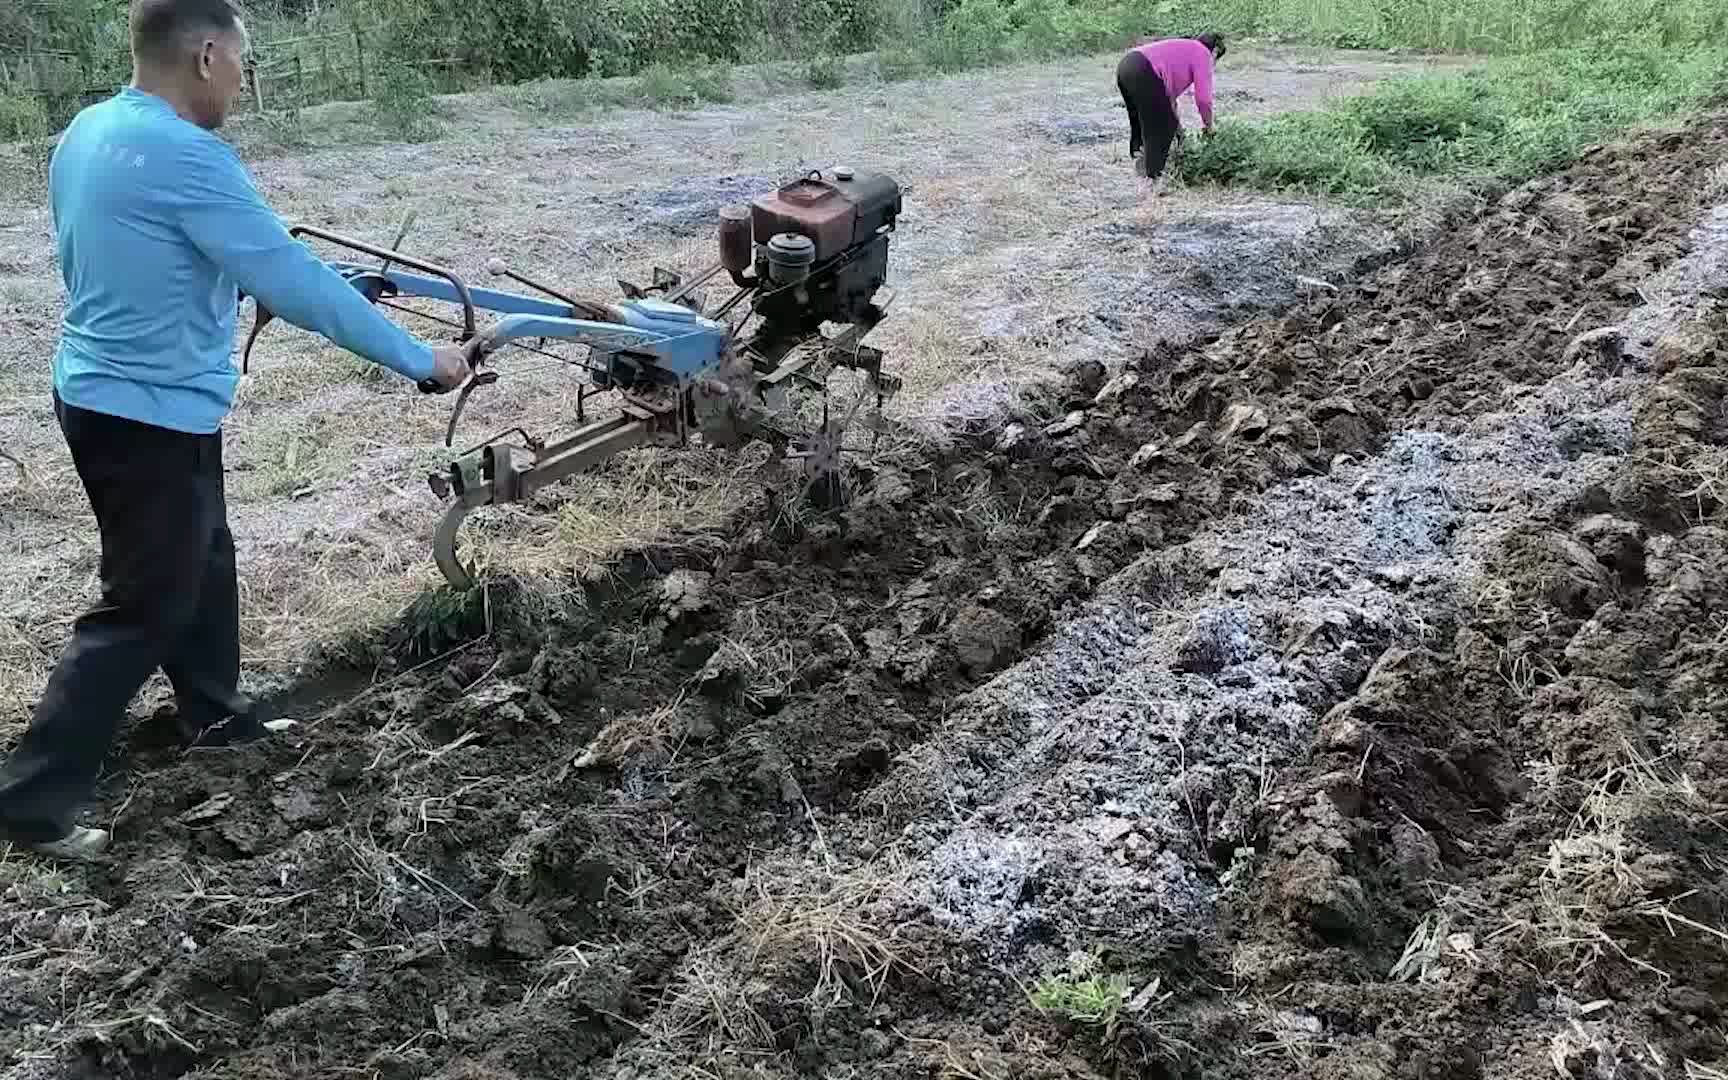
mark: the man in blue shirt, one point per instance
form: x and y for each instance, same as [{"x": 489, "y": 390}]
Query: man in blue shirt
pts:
[{"x": 159, "y": 229}]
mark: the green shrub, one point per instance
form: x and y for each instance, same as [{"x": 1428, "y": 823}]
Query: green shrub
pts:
[
  {"x": 641, "y": 33},
  {"x": 806, "y": 29},
  {"x": 403, "y": 104},
  {"x": 21, "y": 117},
  {"x": 667, "y": 87},
  {"x": 512, "y": 40},
  {"x": 974, "y": 33},
  {"x": 825, "y": 72},
  {"x": 1046, "y": 28}
]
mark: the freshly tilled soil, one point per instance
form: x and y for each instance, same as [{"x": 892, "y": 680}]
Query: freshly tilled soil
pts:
[{"x": 769, "y": 800}]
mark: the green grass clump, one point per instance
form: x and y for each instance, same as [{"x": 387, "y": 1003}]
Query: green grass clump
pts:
[
  {"x": 825, "y": 72},
  {"x": 1511, "y": 119},
  {"x": 439, "y": 619},
  {"x": 1095, "y": 1000},
  {"x": 900, "y": 64},
  {"x": 555, "y": 99},
  {"x": 1499, "y": 27},
  {"x": 665, "y": 86}
]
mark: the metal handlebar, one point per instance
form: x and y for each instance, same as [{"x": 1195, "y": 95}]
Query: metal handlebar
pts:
[
  {"x": 424, "y": 267},
  {"x": 426, "y": 386}
]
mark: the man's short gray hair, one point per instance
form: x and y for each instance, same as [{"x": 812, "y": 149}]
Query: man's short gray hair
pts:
[{"x": 161, "y": 28}]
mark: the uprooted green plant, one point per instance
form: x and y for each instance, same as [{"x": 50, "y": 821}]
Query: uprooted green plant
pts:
[{"x": 443, "y": 617}]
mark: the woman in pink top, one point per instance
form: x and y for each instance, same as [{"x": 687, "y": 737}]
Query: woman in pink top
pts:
[{"x": 1151, "y": 78}]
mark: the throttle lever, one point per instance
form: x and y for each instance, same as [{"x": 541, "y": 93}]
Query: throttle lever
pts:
[
  {"x": 479, "y": 378},
  {"x": 478, "y": 349}
]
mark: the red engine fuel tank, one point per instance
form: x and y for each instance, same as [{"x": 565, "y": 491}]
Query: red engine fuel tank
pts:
[
  {"x": 834, "y": 209},
  {"x": 811, "y": 207}
]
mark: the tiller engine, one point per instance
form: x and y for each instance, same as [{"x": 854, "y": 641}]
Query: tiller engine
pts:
[{"x": 811, "y": 253}]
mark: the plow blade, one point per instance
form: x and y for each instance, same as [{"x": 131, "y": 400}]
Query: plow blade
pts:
[{"x": 586, "y": 449}]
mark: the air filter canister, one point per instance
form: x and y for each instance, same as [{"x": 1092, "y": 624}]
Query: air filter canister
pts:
[{"x": 790, "y": 257}]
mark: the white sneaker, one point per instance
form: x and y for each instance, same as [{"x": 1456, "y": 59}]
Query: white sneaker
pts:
[{"x": 79, "y": 845}]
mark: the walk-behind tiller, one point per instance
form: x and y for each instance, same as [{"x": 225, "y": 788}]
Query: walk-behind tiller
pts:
[{"x": 812, "y": 252}]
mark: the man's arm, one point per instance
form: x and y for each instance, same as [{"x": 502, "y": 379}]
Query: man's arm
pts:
[{"x": 223, "y": 213}]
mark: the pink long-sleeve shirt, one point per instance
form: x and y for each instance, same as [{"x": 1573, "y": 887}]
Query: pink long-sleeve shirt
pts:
[{"x": 1181, "y": 63}]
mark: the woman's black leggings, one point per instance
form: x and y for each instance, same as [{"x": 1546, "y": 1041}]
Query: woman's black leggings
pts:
[{"x": 1152, "y": 122}]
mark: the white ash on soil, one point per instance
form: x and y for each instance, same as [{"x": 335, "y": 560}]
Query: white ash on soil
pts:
[{"x": 1099, "y": 784}]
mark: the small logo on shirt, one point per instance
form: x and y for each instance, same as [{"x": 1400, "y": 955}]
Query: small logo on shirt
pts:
[{"x": 120, "y": 155}]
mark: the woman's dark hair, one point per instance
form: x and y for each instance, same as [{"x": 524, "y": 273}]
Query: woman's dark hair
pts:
[{"x": 1214, "y": 42}]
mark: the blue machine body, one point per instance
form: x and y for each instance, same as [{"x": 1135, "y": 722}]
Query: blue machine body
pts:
[{"x": 681, "y": 344}]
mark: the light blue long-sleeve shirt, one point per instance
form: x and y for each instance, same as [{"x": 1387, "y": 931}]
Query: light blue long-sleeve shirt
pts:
[{"x": 158, "y": 225}]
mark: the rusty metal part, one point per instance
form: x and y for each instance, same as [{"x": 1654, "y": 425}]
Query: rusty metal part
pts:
[
  {"x": 736, "y": 249},
  {"x": 811, "y": 207},
  {"x": 510, "y": 474},
  {"x": 682, "y": 292},
  {"x": 838, "y": 212}
]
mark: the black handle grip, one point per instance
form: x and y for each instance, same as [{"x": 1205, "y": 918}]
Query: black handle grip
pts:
[
  {"x": 480, "y": 378},
  {"x": 477, "y": 348}
]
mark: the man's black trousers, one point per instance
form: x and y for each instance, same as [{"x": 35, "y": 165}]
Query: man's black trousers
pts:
[
  {"x": 1152, "y": 120},
  {"x": 169, "y": 600}
]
